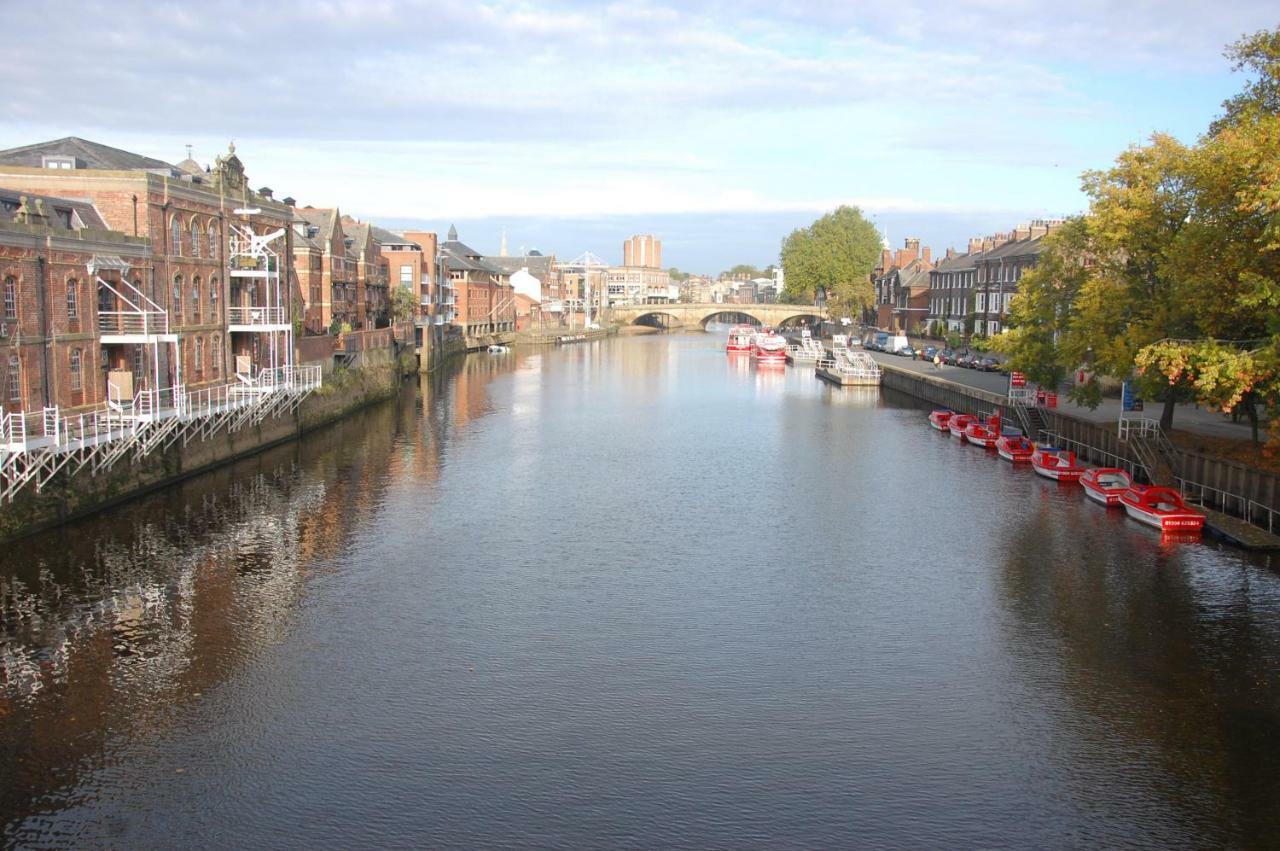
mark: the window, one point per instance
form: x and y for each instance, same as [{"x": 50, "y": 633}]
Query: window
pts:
[
  {"x": 58, "y": 162},
  {"x": 195, "y": 239},
  {"x": 213, "y": 240},
  {"x": 73, "y": 300},
  {"x": 406, "y": 274},
  {"x": 139, "y": 367},
  {"x": 15, "y": 379},
  {"x": 215, "y": 354},
  {"x": 213, "y": 295},
  {"x": 195, "y": 296},
  {"x": 199, "y": 355},
  {"x": 10, "y": 298},
  {"x": 175, "y": 236},
  {"x": 176, "y": 307},
  {"x": 980, "y": 302},
  {"x": 77, "y": 375}
]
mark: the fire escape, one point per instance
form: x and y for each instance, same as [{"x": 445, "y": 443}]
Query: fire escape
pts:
[{"x": 36, "y": 446}]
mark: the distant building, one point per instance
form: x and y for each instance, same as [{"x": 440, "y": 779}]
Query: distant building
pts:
[
  {"x": 999, "y": 270},
  {"x": 643, "y": 250},
  {"x": 901, "y": 286},
  {"x": 485, "y": 299},
  {"x": 535, "y": 280}
]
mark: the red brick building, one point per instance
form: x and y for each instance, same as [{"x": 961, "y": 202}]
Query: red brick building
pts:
[
  {"x": 485, "y": 299},
  {"x": 189, "y": 215},
  {"x": 53, "y": 252}
]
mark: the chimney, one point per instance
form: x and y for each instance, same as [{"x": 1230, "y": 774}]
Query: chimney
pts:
[
  {"x": 265, "y": 192},
  {"x": 975, "y": 245},
  {"x": 291, "y": 201},
  {"x": 927, "y": 255},
  {"x": 1038, "y": 229},
  {"x": 886, "y": 259},
  {"x": 913, "y": 247},
  {"x": 1022, "y": 232},
  {"x": 988, "y": 243},
  {"x": 951, "y": 253}
]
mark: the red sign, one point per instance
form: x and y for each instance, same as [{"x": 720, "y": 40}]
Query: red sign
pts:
[{"x": 1017, "y": 379}]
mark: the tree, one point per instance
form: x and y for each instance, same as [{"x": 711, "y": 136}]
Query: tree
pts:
[
  {"x": 676, "y": 275},
  {"x": 836, "y": 253},
  {"x": 1259, "y": 54},
  {"x": 403, "y": 304},
  {"x": 743, "y": 270}
]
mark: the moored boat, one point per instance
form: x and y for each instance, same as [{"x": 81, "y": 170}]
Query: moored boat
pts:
[
  {"x": 984, "y": 433},
  {"x": 768, "y": 347},
  {"x": 1161, "y": 507},
  {"x": 741, "y": 339},
  {"x": 959, "y": 422},
  {"x": 1105, "y": 484},
  {"x": 938, "y": 419},
  {"x": 1057, "y": 464},
  {"x": 1015, "y": 447}
]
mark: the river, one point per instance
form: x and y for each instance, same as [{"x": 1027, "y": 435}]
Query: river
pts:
[{"x": 634, "y": 594}]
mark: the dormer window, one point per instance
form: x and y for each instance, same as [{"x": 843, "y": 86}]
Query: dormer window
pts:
[{"x": 57, "y": 162}]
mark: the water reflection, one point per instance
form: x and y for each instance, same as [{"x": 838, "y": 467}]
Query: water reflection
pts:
[{"x": 634, "y": 593}]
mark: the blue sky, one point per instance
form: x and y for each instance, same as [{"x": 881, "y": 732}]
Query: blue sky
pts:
[{"x": 718, "y": 126}]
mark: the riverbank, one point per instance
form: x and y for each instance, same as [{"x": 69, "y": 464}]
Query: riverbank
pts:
[
  {"x": 71, "y": 496},
  {"x": 1222, "y": 484}
]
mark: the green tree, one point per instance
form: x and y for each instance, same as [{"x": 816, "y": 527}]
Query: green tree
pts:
[
  {"x": 677, "y": 275},
  {"x": 1259, "y": 55},
  {"x": 403, "y": 304},
  {"x": 836, "y": 253}
]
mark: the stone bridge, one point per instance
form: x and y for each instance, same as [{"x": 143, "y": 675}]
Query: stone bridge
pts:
[{"x": 688, "y": 315}]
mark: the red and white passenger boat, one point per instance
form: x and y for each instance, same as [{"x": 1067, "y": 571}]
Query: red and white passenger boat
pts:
[
  {"x": 1057, "y": 464},
  {"x": 984, "y": 434},
  {"x": 741, "y": 339},
  {"x": 1015, "y": 447},
  {"x": 959, "y": 422},
  {"x": 1106, "y": 484},
  {"x": 938, "y": 419},
  {"x": 769, "y": 348},
  {"x": 1163, "y": 508}
]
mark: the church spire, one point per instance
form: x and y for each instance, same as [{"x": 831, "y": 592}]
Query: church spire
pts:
[
  {"x": 502, "y": 250},
  {"x": 453, "y": 233}
]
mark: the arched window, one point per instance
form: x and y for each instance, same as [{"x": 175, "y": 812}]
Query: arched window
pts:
[
  {"x": 10, "y": 298},
  {"x": 195, "y": 296},
  {"x": 213, "y": 240},
  {"x": 195, "y": 238},
  {"x": 215, "y": 354},
  {"x": 199, "y": 356},
  {"x": 176, "y": 307},
  {"x": 175, "y": 236},
  {"x": 77, "y": 374},
  {"x": 213, "y": 296},
  {"x": 73, "y": 299},
  {"x": 15, "y": 379}
]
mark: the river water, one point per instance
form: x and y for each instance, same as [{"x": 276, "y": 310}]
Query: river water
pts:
[{"x": 634, "y": 594}]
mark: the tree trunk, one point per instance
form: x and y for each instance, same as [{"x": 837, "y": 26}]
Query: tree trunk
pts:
[
  {"x": 1166, "y": 415},
  {"x": 1251, "y": 411}
]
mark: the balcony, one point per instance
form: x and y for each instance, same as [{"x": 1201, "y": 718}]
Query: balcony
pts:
[
  {"x": 132, "y": 323},
  {"x": 258, "y": 316}
]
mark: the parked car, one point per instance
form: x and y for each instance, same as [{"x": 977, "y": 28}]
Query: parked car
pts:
[
  {"x": 905, "y": 352},
  {"x": 948, "y": 356},
  {"x": 929, "y": 353},
  {"x": 987, "y": 364},
  {"x": 964, "y": 360}
]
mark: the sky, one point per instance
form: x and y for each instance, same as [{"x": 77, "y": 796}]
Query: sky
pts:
[{"x": 719, "y": 127}]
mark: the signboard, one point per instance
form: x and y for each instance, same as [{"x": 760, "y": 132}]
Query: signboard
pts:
[
  {"x": 1129, "y": 400},
  {"x": 1017, "y": 379}
]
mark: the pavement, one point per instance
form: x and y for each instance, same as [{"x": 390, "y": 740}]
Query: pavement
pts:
[{"x": 1185, "y": 418}]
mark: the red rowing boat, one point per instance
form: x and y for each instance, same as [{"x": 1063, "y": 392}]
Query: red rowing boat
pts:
[
  {"x": 1015, "y": 447},
  {"x": 959, "y": 422},
  {"x": 938, "y": 419},
  {"x": 1105, "y": 484},
  {"x": 1057, "y": 464},
  {"x": 1163, "y": 508}
]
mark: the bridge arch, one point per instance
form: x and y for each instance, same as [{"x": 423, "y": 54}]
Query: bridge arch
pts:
[{"x": 690, "y": 315}]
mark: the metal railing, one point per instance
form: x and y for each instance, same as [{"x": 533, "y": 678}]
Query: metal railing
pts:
[
  {"x": 258, "y": 316},
  {"x": 139, "y": 322}
]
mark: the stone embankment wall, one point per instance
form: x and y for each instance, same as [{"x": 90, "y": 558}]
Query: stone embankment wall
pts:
[
  {"x": 67, "y": 497},
  {"x": 1099, "y": 443}
]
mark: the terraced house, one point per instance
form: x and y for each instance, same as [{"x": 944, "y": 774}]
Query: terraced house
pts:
[{"x": 999, "y": 269}]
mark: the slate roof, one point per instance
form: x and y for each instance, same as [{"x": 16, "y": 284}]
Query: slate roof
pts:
[
  {"x": 58, "y": 210},
  {"x": 384, "y": 237},
  {"x": 87, "y": 155},
  {"x": 959, "y": 263},
  {"x": 538, "y": 265},
  {"x": 1017, "y": 248}
]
